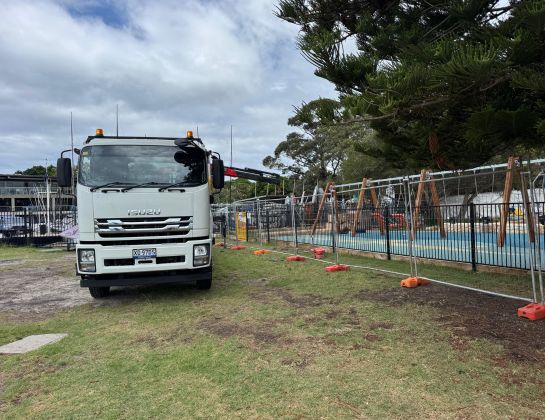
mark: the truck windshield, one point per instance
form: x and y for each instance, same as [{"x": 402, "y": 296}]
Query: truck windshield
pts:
[{"x": 131, "y": 165}]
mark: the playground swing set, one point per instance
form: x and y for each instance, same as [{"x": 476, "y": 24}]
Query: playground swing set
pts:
[
  {"x": 513, "y": 173},
  {"x": 426, "y": 178},
  {"x": 388, "y": 215}
]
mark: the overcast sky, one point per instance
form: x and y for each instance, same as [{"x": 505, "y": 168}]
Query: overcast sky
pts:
[{"x": 170, "y": 65}]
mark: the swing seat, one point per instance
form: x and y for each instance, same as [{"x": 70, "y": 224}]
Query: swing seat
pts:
[{"x": 396, "y": 219}]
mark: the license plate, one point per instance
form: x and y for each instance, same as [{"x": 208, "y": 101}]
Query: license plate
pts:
[{"x": 146, "y": 253}]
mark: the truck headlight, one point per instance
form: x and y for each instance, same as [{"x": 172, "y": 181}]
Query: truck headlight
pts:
[
  {"x": 86, "y": 260},
  {"x": 201, "y": 254}
]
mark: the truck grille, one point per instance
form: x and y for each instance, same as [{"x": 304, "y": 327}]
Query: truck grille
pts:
[
  {"x": 137, "y": 227},
  {"x": 116, "y": 262}
]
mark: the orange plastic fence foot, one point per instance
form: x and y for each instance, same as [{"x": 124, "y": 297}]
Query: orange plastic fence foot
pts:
[
  {"x": 411, "y": 282},
  {"x": 318, "y": 253},
  {"x": 295, "y": 258},
  {"x": 337, "y": 267},
  {"x": 532, "y": 311},
  {"x": 219, "y": 244},
  {"x": 261, "y": 252},
  {"x": 237, "y": 247}
]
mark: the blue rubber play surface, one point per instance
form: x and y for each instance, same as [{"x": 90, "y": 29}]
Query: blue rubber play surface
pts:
[{"x": 456, "y": 246}]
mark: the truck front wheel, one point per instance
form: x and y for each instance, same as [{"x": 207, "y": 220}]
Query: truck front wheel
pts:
[{"x": 99, "y": 292}]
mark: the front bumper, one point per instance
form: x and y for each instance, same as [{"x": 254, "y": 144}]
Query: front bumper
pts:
[
  {"x": 150, "y": 278},
  {"x": 115, "y": 261}
]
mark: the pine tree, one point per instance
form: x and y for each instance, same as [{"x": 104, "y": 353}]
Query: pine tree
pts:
[{"x": 446, "y": 84}]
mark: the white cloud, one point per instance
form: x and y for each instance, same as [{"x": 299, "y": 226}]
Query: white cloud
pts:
[{"x": 170, "y": 65}]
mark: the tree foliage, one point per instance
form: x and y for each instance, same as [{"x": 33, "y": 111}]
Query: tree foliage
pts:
[
  {"x": 316, "y": 151},
  {"x": 446, "y": 84},
  {"x": 358, "y": 165},
  {"x": 39, "y": 170},
  {"x": 241, "y": 189}
]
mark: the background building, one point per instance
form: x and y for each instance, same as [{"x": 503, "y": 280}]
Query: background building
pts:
[{"x": 32, "y": 191}]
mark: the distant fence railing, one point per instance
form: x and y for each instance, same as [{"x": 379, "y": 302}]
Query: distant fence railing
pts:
[
  {"x": 469, "y": 234},
  {"x": 27, "y": 190},
  {"x": 35, "y": 226}
]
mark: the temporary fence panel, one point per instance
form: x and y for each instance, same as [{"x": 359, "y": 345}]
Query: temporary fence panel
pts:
[{"x": 449, "y": 216}]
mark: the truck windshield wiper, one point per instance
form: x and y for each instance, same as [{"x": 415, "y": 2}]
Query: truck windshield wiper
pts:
[
  {"x": 179, "y": 185},
  {"x": 145, "y": 184},
  {"x": 109, "y": 184}
]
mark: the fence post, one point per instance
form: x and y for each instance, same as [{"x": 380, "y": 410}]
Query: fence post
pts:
[
  {"x": 258, "y": 221},
  {"x": 532, "y": 247},
  {"x": 411, "y": 228},
  {"x": 292, "y": 219},
  {"x": 27, "y": 227},
  {"x": 235, "y": 225},
  {"x": 473, "y": 241},
  {"x": 387, "y": 223},
  {"x": 227, "y": 222},
  {"x": 31, "y": 221},
  {"x": 247, "y": 227},
  {"x": 267, "y": 220},
  {"x": 295, "y": 228},
  {"x": 224, "y": 230},
  {"x": 334, "y": 225}
]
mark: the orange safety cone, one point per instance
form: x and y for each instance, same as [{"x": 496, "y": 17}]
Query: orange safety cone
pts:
[
  {"x": 532, "y": 311},
  {"x": 295, "y": 258},
  {"x": 336, "y": 267}
]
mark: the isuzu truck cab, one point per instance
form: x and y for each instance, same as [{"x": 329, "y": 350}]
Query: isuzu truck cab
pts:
[{"x": 143, "y": 210}]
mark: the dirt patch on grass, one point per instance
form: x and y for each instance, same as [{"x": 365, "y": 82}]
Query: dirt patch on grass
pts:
[
  {"x": 3, "y": 402},
  {"x": 258, "y": 334},
  {"x": 269, "y": 295},
  {"x": 474, "y": 315},
  {"x": 32, "y": 289},
  {"x": 380, "y": 325},
  {"x": 296, "y": 363},
  {"x": 10, "y": 262}
]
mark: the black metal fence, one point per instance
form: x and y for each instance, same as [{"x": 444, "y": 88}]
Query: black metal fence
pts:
[
  {"x": 37, "y": 226},
  {"x": 465, "y": 233}
]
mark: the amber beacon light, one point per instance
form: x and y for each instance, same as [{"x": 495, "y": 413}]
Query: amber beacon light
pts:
[
  {"x": 99, "y": 132},
  {"x": 189, "y": 134}
]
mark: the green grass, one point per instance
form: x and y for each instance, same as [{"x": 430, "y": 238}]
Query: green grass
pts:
[
  {"x": 271, "y": 339},
  {"x": 517, "y": 284},
  {"x": 15, "y": 252}
]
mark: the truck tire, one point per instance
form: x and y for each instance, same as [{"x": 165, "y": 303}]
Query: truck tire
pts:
[{"x": 99, "y": 292}]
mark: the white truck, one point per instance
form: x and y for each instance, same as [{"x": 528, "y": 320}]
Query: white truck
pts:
[{"x": 143, "y": 210}]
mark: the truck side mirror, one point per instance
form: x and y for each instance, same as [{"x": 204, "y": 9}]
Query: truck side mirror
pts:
[
  {"x": 64, "y": 172},
  {"x": 218, "y": 174}
]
